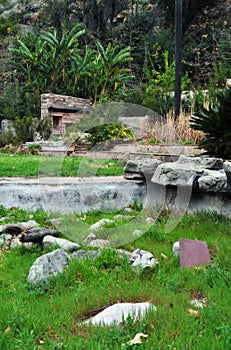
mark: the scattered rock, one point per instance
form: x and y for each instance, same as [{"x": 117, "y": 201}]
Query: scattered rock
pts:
[
  {"x": 137, "y": 233},
  {"x": 84, "y": 254},
  {"x": 13, "y": 229},
  {"x": 116, "y": 313},
  {"x": 150, "y": 221},
  {"x": 50, "y": 242},
  {"x": 36, "y": 235},
  {"x": 28, "y": 225},
  {"x": 100, "y": 223},
  {"x": 143, "y": 259},
  {"x": 200, "y": 304},
  {"x": 48, "y": 266},
  {"x": 123, "y": 217},
  {"x": 176, "y": 249},
  {"x": 90, "y": 237},
  {"x": 15, "y": 243},
  {"x": 99, "y": 243},
  {"x": 128, "y": 210}
]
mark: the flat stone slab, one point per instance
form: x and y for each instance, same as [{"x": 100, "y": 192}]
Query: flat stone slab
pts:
[{"x": 193, "y": 253}]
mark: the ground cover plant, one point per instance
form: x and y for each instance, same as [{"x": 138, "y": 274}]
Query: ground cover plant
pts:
[
  {"x": 50, "y": 318},
  {"x": 35, "y": 165}
]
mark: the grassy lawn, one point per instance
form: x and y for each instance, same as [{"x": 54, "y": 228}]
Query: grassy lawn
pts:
[
  {"x": 35, "y": 165},
  {"x": 37, "y": 318}
]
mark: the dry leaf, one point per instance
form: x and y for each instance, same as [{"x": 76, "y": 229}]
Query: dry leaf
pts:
[
  {"x": 7, "y": 330},
  {"x": 193, "y": 312},
  {"x": 137, "y": 339}
]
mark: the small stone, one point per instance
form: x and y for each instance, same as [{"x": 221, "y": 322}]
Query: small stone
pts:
[
  {"x": 176, "y": 248},
  {"x": 200, "y": 304},
  {"x": 100, "y": 223},
  {"x": 150, "y": 221},
  {"x": 137, "y": 233},
  {"x": 99, "y": 243},
  {"x": 90, "y": 237},
  {"x": 15, "y": 243},
  {"x": 50, "y": 242}
]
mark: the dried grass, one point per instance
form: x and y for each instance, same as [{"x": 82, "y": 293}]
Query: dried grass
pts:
[{"x": 168, "y": 131}]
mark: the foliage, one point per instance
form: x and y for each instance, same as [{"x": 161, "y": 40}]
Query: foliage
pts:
[
  {"x": 111, "y": 131},
  {"x": 158, "y": 94},
  {"x": 215, "y": 122},
  {"x": 89, "y": 73}
]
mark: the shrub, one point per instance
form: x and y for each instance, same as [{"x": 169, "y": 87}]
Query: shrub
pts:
[{"x": 215, "y": 122}]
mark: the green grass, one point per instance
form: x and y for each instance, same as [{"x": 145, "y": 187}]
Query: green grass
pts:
[
  {"x": 35, "y": 165},
  {"x": 49, "y": 318}
]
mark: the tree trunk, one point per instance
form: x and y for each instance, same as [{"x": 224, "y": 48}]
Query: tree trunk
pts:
[{"x": 178, "y": 57}]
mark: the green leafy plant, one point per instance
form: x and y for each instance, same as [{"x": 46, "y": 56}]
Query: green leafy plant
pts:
[
  {"x": 111, "y": 131},
  {"x": 215, "y": 122}
]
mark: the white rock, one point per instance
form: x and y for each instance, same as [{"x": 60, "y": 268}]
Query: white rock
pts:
[
  {"x": 142, "y": 259},
  {"x": 176, "y": 248},
  {"x": 50, "y": 242},
  {"x": 137, "y": 233},
  {"x": 90, "y": 237},
  {"x": 100, "y": 223},
  {"x": 116, "y": 313}
]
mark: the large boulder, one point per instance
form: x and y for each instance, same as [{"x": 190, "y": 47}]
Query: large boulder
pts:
[
  {"x": 47, "y": 266},
  {"x": 185, "y": 171},
  {"x": 141, "y": 169},
  {"x": 213, "y": 180}
]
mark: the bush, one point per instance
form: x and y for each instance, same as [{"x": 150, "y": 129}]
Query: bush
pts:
[{"x": 215, "y": 122}]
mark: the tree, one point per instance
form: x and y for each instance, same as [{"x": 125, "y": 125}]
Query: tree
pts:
[{"x": 178, "y": 57}]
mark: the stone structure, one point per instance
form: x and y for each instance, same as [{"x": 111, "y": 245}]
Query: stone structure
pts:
[{"x": 63, "y": 110}]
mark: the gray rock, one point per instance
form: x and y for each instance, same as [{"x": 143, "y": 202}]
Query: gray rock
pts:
[
  {"x": 213, "y": 180},
  {"x": 99, "y": 243},
  {"x": 51, "y": 242},
  {"x": 143, "y": 259},
  {"x": 5, "y": 240},
  {"x": 202, "y": 162},
  {"x": 176, "y": 248},
  {"x": 12, "y": 229},
  {"x": 47, "y": 266},
  {"x": 100, "y": 223},
  {"x": 174, "y": 174},
  {"x": 84, "y": 254},
  {"x": 28, "y": 224},
  {"x": 90, "y": 237},
  {"x": 15, "y": 243},
  {"x": 141, "y": 169},
  {"x": 115, "y": 314},
  {"x": 36, "y": 235},
  {"x": 227, "y": 169}
]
